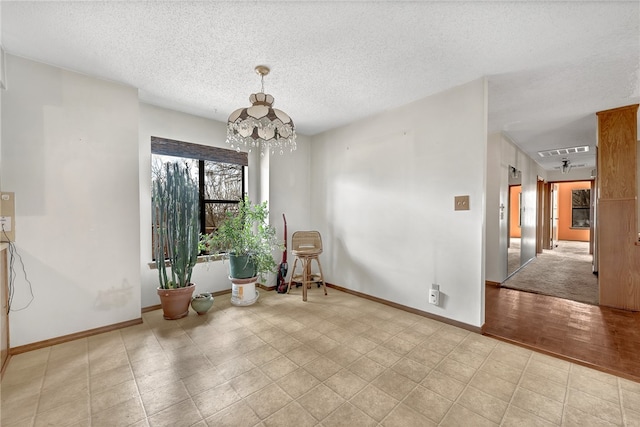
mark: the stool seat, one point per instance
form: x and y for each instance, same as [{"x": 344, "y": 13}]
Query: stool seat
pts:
[
  {"x": 307, "y": 252},
  {"x": 306, "y": 246}
]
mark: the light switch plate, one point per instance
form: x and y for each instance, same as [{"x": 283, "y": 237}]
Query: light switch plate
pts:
[{"x": 461, "y": 203}]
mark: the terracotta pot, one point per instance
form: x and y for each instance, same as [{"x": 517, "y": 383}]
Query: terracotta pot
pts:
[{"x": 175, "y": 302}]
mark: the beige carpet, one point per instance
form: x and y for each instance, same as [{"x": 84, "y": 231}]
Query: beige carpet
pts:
[{"x": 563, "y": 272}]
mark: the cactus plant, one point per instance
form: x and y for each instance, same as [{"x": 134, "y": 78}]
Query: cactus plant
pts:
[{"x": 175, "y": 225}]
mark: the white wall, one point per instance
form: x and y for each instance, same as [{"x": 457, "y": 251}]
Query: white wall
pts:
[
  {"x": 289, "y": 182},
  {"x": 70, "y": 153},
  {"x": 279, "y": 179},
  {"x": 382, "y": 195},
  {"x": 497, "y": 210}
]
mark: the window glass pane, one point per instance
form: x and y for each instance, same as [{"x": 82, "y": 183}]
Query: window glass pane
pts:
[
  {"x": 158, "y": 162},
  {"x": 580, "y": 212},
  {"x": 222, "y": 181},
  {"x": 215, "y": 213},
  {"x": 580, "y": 198},
  {"x": 580, "y": 218}
]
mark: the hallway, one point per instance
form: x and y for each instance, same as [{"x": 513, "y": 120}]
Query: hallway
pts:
[{"x": 564, "y": 272}]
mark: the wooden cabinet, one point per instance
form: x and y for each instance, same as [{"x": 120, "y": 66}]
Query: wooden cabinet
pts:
[{"x": 618, "y": 251}]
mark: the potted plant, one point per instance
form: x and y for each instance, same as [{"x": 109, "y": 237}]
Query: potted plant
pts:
[
  {"x": 175, "y": 237},
  {"x": 246, "y": 238}
]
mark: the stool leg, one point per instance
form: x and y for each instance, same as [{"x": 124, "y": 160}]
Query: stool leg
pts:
[
  {"x": 308, "y": 271},
  {"x": 305, "y": 277},
  {"x": 293, "y": 270},
  {"x": 321, "y": 275}
]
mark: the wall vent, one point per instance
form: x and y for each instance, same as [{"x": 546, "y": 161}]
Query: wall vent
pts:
[{"x": 563, "y": 151}]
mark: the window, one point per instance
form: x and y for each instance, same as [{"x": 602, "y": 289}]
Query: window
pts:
[
  {"x": 220, "y": 174},
  {"x": 580, "y": 208},
  {"x": 221, "y": 188}
]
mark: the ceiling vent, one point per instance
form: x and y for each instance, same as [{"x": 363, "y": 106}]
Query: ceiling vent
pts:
[{"x": 563, "y": 151}]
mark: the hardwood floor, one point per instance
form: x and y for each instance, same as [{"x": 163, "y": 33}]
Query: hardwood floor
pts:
[{"x": 600, "y": 337}]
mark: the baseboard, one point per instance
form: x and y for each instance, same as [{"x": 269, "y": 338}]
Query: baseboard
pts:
[
  {"x": 151, "y": 308},
  {"x": 71, "y": 337},
  {"x": 409, "y": 309},
  {"x": 265, "y": 287},
  {"x": 223, "y": 292}
]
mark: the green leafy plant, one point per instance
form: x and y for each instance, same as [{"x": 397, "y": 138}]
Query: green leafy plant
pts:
[
  {"x": 247, "y": 232},
  {"x": 175, "y": 225},
  {"x": 205, "y": 245}
]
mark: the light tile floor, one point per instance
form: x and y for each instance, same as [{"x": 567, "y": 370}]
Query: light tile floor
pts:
[{"x": 337, "y": 360}]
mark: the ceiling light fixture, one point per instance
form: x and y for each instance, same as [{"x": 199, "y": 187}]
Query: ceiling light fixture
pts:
[
  {"x": 566, "y": 166},
  {"x": 261, "y": 126}
]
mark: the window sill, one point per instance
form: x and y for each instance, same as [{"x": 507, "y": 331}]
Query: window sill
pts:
[{"x": 201, "y": 259}]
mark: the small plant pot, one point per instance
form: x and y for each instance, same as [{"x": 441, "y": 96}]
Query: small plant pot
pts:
[{"x": 201, "y": 303}]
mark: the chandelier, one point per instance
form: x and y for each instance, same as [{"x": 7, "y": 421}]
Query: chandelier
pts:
[{"x": 261, "y": 126}]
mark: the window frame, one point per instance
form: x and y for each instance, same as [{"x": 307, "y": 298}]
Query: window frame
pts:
[
  {"x": 581, "y": 208},
  {"x": 202, "y": 153}
]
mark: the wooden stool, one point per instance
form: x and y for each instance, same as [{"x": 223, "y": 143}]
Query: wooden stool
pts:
[{"x": 306, "y": 246}]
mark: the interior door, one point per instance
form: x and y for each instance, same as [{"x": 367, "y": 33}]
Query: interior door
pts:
[
  {"x": 593, "y": 243},
  {"x": 539, "y": 215}
]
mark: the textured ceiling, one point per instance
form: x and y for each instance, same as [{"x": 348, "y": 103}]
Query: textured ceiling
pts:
[{"x": 551, "y": 65}]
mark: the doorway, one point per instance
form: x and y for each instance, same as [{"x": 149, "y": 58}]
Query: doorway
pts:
[{"x": 563, "y": 266}]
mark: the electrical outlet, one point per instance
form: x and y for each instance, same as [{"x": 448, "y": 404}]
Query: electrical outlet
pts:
[
  {"x": 434, "y": 294},
  {"x": 5, "y": 223}
]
